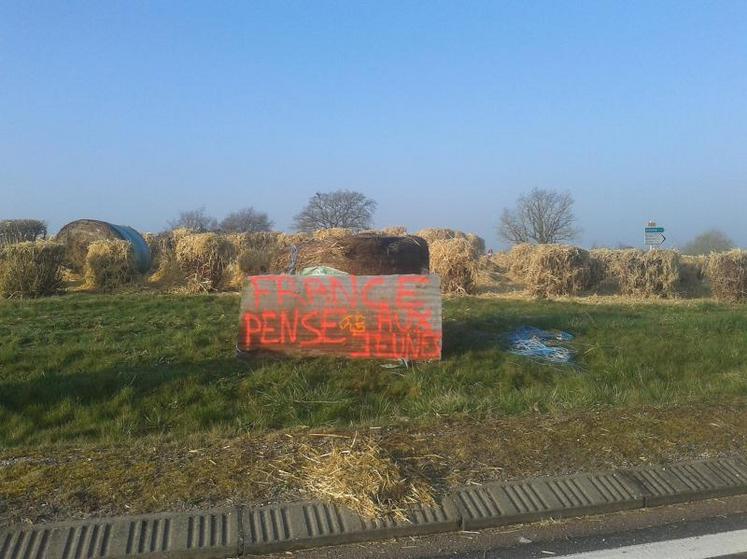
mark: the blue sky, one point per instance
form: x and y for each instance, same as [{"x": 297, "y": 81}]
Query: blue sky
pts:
[{"x": 444, "y": 112}]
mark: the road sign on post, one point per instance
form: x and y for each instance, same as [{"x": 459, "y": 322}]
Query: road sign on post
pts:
[{"x": 653, "y": 235}]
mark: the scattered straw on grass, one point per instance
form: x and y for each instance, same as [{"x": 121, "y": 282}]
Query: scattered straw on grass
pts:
[
  {"x": 110, "y": 264},
  {"x": 363, "y": 477},
  {"x": 727, "y": 274},
  {"x": 558, "y": 270},
  {"x": 31, "y": 269},
  {"x": 455, "y": 261},
  {"x": 204, "y": 258}
]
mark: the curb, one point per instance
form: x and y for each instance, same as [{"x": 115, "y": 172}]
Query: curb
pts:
[{"x": 246, "y": 530}]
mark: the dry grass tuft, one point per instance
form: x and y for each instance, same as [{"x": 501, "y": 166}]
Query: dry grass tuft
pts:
[
  {"x": 31, "y": 269},
  {"x": 455, "y": 261},
  {"x": 727, "y": 273},
  {"x": 363, "y": 477},
  {"x": 110, "y": 264},
  {"x": 558, "y": 270},
  {"x": 204, "y": 258}
]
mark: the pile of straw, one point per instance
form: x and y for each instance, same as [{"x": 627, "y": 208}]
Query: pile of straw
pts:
[
  {"x": 558, "y": 270},
  {"x": 332, "y": 233},
  {"x": 167, "y": 272},
  {"x": 477, "y": 242},
  {"x": 727, "y": 274},
  {"x": 394, "y": 231},
  {"x": 31, "y": 269},
  {"x": 204, "y": 259},
  {"x": 431, "y": 234},
  {"x": 364, "y": 478},
  {"x": 519, "y": 259},
  {"x": 455, "y": 261},
  {"x": 644, "y": 274},
  {"x": 110, "y": 264}
]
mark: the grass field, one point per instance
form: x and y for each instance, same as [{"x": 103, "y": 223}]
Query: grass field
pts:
[
  {"x": 136, "y": 402},
  {"x": 87, "y": 368}
]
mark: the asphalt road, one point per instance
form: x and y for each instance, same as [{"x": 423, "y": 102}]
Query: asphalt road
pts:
[{"x": 713, "y": 528}]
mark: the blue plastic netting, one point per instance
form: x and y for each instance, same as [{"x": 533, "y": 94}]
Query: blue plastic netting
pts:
[{"x": 529, "y": 341}]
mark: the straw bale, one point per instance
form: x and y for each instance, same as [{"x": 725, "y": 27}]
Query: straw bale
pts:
[
  {"x": 455, "y": 261},
  {"x": 645, "y": 274},
  {"x": 31, "y": 268},
  {"x": 204, "y": 258},
  {"x": 558, "y": 270},
  {"x": 110, "y": 264},
  {"x": 727, "y": 274}
]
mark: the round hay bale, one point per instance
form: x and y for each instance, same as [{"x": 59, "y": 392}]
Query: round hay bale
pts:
[
  {"x": 727, "y": 274},
  {"x": 455, "y": 262},
  {"x": 110, "y": 264},
  {"x": 359, "y": 255},
  {"x": 78, "y": 235},
  {"x": 558, "y": 270},
  {"x": 204, "y": 258},
  {"x": 31, "y": 269}
]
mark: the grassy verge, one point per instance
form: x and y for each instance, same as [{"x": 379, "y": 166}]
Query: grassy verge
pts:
[
  {"x": 109, "y": 368},
  {"x": 157, "y": 473},
  {"x": 135, "y": 402}
]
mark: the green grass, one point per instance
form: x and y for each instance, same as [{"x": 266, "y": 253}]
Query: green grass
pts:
[{"x": 88, "y": 368}]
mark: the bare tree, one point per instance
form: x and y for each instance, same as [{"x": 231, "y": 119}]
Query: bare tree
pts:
[
  {"x": 342, "y": 208},
  {"x": 542, "y": 216},
  {"x": 247, "y": 220},
  {"x": 196, "y": 220},
  {"x": 710, "y": 241}
]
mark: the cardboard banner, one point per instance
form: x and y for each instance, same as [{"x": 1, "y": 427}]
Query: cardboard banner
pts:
[{"x": 361, "y": 317}]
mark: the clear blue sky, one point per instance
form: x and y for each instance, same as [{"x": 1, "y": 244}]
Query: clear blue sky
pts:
[{"x": 444, "y": 112}]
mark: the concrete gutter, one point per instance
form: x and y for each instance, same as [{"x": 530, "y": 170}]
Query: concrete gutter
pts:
[{"x": 247, "y": 530}]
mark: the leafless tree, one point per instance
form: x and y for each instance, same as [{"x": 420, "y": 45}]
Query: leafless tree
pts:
[
  {"x": 542, "y": 216},
  {"x": 247, "y": 220},
  {"x": 342, "y": 208},
  {"x": 196, "y": 220}
]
